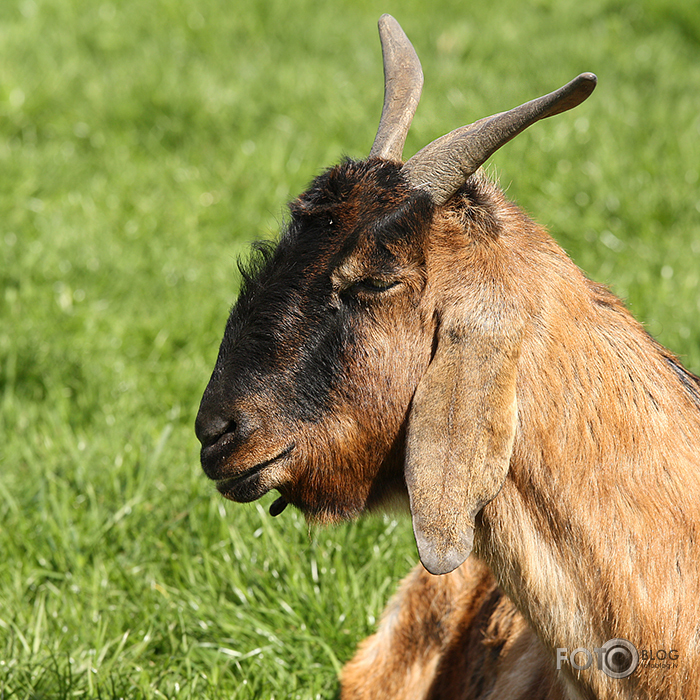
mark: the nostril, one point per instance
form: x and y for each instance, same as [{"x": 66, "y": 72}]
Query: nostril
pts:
[{"x": 209, "y": 429}]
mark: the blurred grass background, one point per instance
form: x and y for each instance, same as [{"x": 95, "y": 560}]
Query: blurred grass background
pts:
[{"x": 143, "y": 145}]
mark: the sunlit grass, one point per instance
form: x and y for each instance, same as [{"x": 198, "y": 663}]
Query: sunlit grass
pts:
[{"x": 142, "y": 146}]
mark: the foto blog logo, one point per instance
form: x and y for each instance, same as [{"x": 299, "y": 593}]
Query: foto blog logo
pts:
[{"x": 617, "y": 658}]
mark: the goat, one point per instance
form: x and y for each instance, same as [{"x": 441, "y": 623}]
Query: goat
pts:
[{"x": 414, "y": 338}]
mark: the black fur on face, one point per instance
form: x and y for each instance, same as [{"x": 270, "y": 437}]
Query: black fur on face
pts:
[{"x": 316, "y": 319}]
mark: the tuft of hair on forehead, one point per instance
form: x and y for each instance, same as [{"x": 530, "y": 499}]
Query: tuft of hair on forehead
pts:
[
  {"x": 367, "y": 199},
  {"x": 345, "y": 181}
]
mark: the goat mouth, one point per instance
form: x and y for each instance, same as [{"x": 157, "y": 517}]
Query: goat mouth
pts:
[{"x": 249, "y": 485}]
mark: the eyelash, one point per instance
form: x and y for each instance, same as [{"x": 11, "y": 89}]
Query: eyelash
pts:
[{"x": 372, "y": 285}]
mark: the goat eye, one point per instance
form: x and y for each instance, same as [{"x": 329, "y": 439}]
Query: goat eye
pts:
[{"x": 373, "y": 284}]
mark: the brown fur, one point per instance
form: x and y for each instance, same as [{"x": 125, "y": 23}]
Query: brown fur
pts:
[
  {"x": 594, "y": 533},
  {"x": 579, "y": 487},
  {"x": 408, "y": 341},
  {"x": 454, "y": 636}
]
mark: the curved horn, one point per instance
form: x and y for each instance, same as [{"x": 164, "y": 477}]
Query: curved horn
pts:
[
  {"x": 444, "y": 165},
  {"x": 403, "y": 82}
]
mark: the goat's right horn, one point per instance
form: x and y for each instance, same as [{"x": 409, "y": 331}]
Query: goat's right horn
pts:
[
  {"x": 444, "y": 165},
  {"x": 403, "y": 82}
]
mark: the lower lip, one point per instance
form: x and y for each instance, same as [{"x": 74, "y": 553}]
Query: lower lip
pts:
[{"x": 225, "y": 486}]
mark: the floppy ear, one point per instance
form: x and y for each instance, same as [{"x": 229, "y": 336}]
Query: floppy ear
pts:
[{"x": 459, "y": 441}]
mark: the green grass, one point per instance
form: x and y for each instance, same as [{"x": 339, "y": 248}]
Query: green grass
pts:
[{"x": 143, "y": 144}]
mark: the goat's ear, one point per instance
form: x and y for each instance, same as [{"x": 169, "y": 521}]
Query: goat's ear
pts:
[{"x": 460, "y": 437}]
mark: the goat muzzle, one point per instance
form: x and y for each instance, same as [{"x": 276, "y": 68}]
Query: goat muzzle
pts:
[{"x": 252, "y": 483}]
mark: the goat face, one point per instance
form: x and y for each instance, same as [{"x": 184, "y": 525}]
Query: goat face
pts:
[
  {"x": 324, "y": 348},
  {"x": 380, "y": 338}
]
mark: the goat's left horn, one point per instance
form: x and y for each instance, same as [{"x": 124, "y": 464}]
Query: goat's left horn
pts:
[
  {"x": 403, "y": 82},
  {"x": 444, "y": 165}
]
